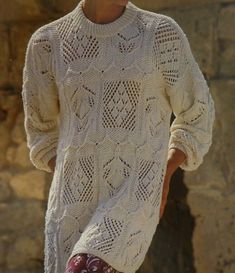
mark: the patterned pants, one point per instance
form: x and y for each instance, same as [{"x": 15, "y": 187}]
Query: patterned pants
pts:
[{"x": 88, "y": 263}]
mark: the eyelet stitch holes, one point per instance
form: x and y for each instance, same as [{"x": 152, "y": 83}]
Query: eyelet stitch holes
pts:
[
  {"x": 50, "y": 249},
  {"x": 81, "y": 109},
  {"x": 115, "y": 166},
  {"x": 136, "y": 247},
  {"x": 43, "y": 47},
  {"x": 138, "y": 240},
  {"x": 69, "y": 232},
  {"x": 195, "y": 113},
  {"x": 147, "y": 190},
  {"x": 77, "y": 45},
  {"x": 78, "y": 177},
  {"x": 120, "y": 101},
  {"x": 155, "y": 116},
  {"x": 82, "y": 92},
  {"x": 80, "y": 189},
  {"x": 53, "y": 198},
  {"x": 127, "y": 42},
  {"x": 146, "y": 201},
  {"x": 125, "y": 45},
  {"x": 198, "y": 109}
]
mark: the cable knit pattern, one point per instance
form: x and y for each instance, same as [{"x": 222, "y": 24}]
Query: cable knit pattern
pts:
[{"x": 100, "y": 97}]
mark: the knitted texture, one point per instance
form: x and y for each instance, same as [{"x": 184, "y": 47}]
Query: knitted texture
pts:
[{"x": 100, "y": 97}]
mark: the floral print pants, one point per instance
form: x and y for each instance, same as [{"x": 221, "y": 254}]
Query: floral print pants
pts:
[{"x": 88, "y": 263}]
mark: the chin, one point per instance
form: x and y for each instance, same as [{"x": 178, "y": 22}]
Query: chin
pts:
[{"x": 120, "y": 2}]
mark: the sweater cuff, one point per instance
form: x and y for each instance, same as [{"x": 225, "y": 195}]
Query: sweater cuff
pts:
[
  {"x": 41, "y": 157},
  {"x": 187, "y": 164}
]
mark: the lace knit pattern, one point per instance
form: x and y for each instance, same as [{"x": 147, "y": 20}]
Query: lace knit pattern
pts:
[{"x": 100, "y": 97}]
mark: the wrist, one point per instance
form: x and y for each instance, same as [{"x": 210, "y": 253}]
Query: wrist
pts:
[
  {"x": 175, "y": 158},
  {"x": 51, "y": 163}
]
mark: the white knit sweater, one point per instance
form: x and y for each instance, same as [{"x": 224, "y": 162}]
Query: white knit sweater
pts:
[{"x": 100, "y": 97}]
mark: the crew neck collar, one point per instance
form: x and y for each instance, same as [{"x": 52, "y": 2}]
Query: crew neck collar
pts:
[{"x": 108, "y": 29}]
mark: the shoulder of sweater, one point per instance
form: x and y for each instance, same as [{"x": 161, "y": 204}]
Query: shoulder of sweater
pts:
[
  {"x": 45, "y": 31},
  {"x": 151, "y": 19},
  {"x": 159, "y": 21}
]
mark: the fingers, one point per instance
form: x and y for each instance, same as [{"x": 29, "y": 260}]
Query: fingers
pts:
[{"x": 164, "y": 197}]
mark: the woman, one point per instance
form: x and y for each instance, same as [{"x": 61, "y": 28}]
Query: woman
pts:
[{"x": 99, "y": 87}]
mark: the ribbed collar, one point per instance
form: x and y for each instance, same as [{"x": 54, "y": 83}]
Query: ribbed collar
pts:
[{"x": 89, "y": 27}]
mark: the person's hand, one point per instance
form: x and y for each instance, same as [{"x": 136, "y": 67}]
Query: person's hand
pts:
[
  {"x": 175, "y": 158},
  {"x": 165, "y": 191},
  {"x": 52, "y": 162}
]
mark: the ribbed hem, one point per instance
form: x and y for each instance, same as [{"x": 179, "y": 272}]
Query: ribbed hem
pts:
[{"x": 109, "y": 29}]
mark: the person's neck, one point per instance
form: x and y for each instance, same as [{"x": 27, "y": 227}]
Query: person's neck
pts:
[{"x": 101, "y": 11}]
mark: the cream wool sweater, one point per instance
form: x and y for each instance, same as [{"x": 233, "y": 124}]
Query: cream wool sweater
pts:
[{"x": 100, "y": 97}]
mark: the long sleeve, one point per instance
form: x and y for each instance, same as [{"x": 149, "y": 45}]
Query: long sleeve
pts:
[
  {"x": 40, "y": 101},
  {"x": 189, "y": 96}
]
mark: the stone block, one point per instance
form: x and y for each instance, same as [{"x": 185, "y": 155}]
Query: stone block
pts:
[
  {"x": 214, "y": 232},
  {"x": 25, "y": 252},
  {"x": 164, "y": 4},
  {"x": 29, "y": 185},
  {"x": 5, "y": 190},
  {"x": 19, "y": 155},
  {"x": 4, "y": 240},
  {"x": 5, "y": 54},
  {"x": 16, "y": 10},
  {"x": 223, "y": 148},
  {"x": 18, "y": 133},
  {"x": 5, "y": 140},
  {"x": 226, "y": 23},
  {"x": 9, "y": 106},
  {"x": 22, "y": 155},
  {"x": 21, "y": 215},
  {"x": 226, "y": 58},
  {"x": 60, "y": 5}
]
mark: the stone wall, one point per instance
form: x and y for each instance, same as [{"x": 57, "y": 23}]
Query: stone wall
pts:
[{"x": 197, "y": 231}]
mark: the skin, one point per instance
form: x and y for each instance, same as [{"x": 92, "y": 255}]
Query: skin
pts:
[{"x": 105, "y": 11}]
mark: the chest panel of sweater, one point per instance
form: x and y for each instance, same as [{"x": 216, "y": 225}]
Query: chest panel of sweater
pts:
[
  {"x": 80, "y": 49},
  {"x": 105, "y": 103},
  {"x": 76, "y": 44}
]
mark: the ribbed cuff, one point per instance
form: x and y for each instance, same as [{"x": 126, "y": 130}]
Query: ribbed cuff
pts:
[
  {"x": 46, "y": 158},
  {"x": 188, "y": 164},
  {"x": 40, "y": 157}
]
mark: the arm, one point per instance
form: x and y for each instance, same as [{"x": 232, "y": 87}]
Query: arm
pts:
[
  {"x": 191, "y": 102},
  {"x": 52, "y": 162},
  {"x": 189, "y": 97},
  {"x": 40, "y": 101},
  {"x": 175, "y": 158}
]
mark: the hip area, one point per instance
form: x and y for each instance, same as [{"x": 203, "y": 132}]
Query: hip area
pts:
[{"x": 93, "y": 173}]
